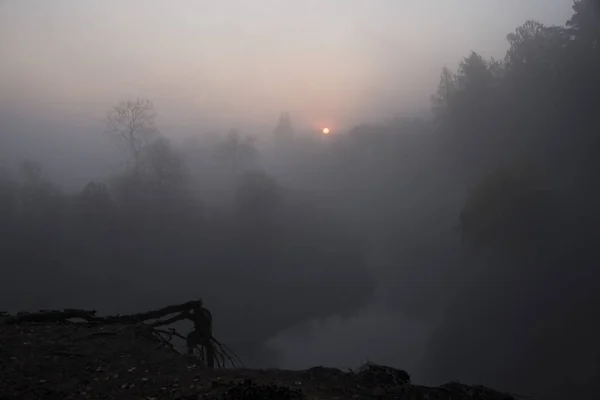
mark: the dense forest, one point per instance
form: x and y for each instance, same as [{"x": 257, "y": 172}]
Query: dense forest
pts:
[{"x": 480, "y": 222}]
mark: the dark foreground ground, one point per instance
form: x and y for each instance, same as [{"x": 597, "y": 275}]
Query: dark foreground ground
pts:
[{"x": 83, "y": 360}]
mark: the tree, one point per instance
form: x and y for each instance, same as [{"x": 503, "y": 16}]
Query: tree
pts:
[
  {"x": 468, "y": 112},
  {"x": 536, "y": 55},
  {"x": 522, "y": 42},
  {"x": 35, "y": 186},
  {"x": 284, "y": 131},
  {"x": 507, "y": 208},
  {"x": 257, "y": 195},
  {"x": 132, "y": 122},
  {"x": 8, "y": 199},
  {"x": 164, "y": 167},
  {"x": 40, "y": 200},
  {"x": 237, "y": 152},
  {"x": 95, "y": 199},
  {"x": 258, "y": 218},
  {"x": 474, "y": 74},
  {"x": 442, "y": 100},
  {"x": 585, "y": 23}
]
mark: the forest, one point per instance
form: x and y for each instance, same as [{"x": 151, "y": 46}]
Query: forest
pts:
[{"x": 479, "y": 222}]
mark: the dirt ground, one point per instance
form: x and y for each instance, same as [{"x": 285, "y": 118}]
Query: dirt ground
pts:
[{"x": 82, "y": 360}]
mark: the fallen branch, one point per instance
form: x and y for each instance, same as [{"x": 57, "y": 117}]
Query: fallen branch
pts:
[
  {"x": 164, "y": 342},
  {"x": 172, "y": 331},
  {"x": 90, "y": 315},
  {"x": 156, "y": 314},
  {"x": 51, "y": 316},
  {"x": 223, "y": 355}
]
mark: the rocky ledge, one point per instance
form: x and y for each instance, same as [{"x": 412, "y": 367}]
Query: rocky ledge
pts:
[{"x": 74, "y": 358}]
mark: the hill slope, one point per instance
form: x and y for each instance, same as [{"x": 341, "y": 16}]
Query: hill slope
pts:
[{"x": 95, "y": 360}]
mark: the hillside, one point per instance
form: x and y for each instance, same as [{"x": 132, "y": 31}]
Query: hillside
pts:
[{"x": 49, "y": 355}]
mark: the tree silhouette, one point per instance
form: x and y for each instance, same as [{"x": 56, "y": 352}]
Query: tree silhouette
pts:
[
  {"x": 257, "y": 196},
  {"x": 165, "y": 168},
  {"x": 237, "y": 153},
  {"x": 442, "y": 100},
  {"x": 585, "y": 23},
  {"x": 133, "y": 123},
  {"x": 535, "y": 221},
  {"x": 505, "y": 208},
  {"x": 8, "y": 199},
  {"x": 284, "y": 130}
]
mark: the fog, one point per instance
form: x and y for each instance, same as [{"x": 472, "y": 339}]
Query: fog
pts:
[{"x": 446, "y": 225}]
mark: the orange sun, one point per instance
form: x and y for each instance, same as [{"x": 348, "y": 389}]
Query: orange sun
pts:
[{"x": 325, "y": 131}]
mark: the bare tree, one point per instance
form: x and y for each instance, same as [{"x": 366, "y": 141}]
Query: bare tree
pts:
[{"x": 132, "y": 122}]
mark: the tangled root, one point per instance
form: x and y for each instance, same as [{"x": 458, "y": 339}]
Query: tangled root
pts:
[{"x": 224, "y": 356}]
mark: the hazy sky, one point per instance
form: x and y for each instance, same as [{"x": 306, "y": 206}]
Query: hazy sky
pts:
[{"x": 239, "y": 63}]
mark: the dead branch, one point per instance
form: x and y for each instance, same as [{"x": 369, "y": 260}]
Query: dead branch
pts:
[
  {"x": 173, "y": 332},
  {"x": 223, "y": 355},
  {"x": 156, "y": 314},
  {"x": 90, "y": 315},
  {"x": 51, "y": 316},
  {"x": 169, "y": 321},
  {"x": 164, "y": 342}
]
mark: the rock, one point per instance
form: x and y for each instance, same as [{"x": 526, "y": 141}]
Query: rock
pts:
[{"x": 379, "y": 375}]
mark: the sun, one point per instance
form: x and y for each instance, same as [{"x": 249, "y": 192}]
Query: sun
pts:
[{"x": 325, "y": 131}]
